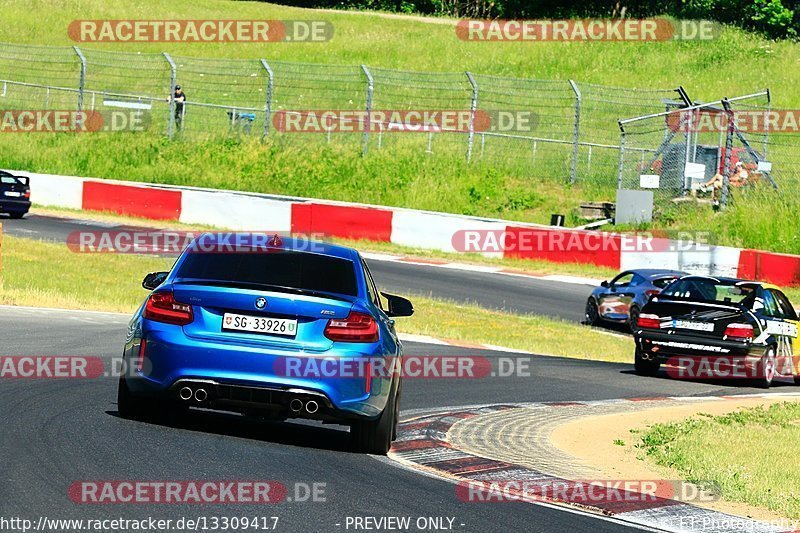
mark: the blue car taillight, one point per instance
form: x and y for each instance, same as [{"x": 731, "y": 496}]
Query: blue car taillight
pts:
[
  {"x": 357, "y": 327},
  {"x": 162, "y": 307}
]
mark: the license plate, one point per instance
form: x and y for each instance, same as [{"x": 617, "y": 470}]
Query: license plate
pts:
[
  {"x": 696, "y": 326},
  {"x": 259, "y": 324},
  {"x": 14, "y": 194}
]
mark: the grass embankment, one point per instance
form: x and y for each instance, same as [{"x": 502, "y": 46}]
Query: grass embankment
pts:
[
  {"x": 409, "y": 43},
  {"x": 507, "y": 185},
  {"x": 748, "y": 454},
  {"x": 46, "y": 274}
]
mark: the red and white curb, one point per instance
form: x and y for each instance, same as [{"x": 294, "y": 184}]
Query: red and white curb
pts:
[
  {"x": 242, "y": 211},
  {"x": 422, "y": 446}
]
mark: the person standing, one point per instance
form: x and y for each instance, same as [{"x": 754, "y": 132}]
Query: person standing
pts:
[{"x": 179, "y": 98}]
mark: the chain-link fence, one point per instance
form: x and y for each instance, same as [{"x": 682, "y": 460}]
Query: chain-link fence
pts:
[
  {"x": 706, "y": 152},
  {"x": 572, "y": 135}
]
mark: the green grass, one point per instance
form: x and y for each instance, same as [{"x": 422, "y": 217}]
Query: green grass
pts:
[
  {"x": 747, "y": 454},
  {"x": 413, "y": 45},
  {"x": 37, "y": 273},
  {"x": 504, "y": 183},
  {"x": 46, "y": 274}
]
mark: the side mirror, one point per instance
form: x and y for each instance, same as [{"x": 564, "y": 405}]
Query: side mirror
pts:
[
  {"x": 604, "y": 284},
  {"x": 398, "y": 306},
  {"x": 154, "y": 279}
]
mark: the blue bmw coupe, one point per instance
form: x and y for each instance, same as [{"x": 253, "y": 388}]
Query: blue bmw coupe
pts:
[{"x": 275, "y": 327}]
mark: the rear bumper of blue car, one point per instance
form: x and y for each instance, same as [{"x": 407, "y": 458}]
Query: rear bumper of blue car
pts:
[{"x": 252, "y": 378}]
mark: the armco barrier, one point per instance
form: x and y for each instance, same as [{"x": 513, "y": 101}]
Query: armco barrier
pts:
[
  {"x": 558, "y": 246},
  {"x": 158, "y": 204},
  {"x": 781, "y": 269},
  {"x": 236, "y": 211},
  {"x": 351, "y": 222},
  {"x": 422, "y": 229}
]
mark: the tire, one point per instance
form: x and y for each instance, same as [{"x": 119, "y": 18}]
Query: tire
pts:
[
  {"x": 644, "y": 367},
  {"x": 375, "y": 436},
  {"x": 396, "y": 411},
  {"x": 130, "y": 406},
  {"x": 633, "y": 317},
  {"x": 16, "y": 214},
  {"x": 765, "y": 369},
  {"x": 591, "y": 313}
]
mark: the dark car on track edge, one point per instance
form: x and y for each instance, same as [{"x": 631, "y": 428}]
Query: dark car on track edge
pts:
[{"x": 15, "y": 194}]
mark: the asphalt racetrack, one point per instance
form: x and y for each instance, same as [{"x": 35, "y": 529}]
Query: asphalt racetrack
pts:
[{"x": 60, "y": 431}]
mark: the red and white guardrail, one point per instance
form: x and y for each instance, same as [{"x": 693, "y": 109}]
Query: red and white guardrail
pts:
[{"x": 422, "y": 229}]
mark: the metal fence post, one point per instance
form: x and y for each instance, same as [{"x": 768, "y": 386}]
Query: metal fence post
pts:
[
  {"x": 766, "y": 123},
  {"x": 472, "y": 109},
  {"x": 576, "y": 132},
  {"x": 688, "y": 148},
  {"x": 621, "y": 155},
  {"x": 368, "y": 125},
  {"x": 723, "y": 197},
  {"x": 268, "y": 105},
  {"x": 82, "y": 82},
  {"x": 173, "y": 78}
]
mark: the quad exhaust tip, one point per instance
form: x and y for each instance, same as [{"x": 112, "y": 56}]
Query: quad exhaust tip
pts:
[
  {"x": 296, "y": 405},
  {"x": 185, "y": 394},
  {"x": 200, "y": 395},
  {"x": 312, "y": 407}
]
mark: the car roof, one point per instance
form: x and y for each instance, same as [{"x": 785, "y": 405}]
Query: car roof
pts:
[{"x": 287, "y": 242}]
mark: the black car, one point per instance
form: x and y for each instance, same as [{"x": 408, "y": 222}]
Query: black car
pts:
[
  {"x": 15, "y": 195},
  {"x": 719, "y": 324}
]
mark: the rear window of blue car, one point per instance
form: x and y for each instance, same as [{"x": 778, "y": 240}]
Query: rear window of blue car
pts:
[{"x": 296, "y": 270}]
